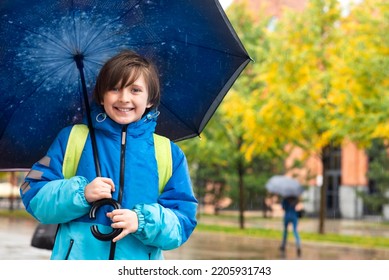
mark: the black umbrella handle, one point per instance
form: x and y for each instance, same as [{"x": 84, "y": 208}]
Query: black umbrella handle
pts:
[
  {"x": 78, "y": 58},
  {"x": 92, "y": 215}
]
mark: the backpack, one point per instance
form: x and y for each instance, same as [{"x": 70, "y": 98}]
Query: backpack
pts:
[
  {"x": 44, "y": 235},
  {"x": 76, "y": 143}
]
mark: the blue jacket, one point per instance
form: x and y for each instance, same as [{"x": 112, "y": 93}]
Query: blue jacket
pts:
[{"x": 166, "y": 220}]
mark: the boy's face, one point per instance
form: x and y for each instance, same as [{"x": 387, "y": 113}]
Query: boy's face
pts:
[{"x": 127, "y": 105}]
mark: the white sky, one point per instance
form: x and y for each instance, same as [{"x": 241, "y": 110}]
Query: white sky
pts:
[{"x": 225, "y": 3}]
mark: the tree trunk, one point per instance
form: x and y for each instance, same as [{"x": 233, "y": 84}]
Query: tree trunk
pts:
[
  {"x": 241, "y": 194},
  {"x": 241, "y": 171},
  {"x": 323, "y": 202},
  {"x": 323, "y": 191}
]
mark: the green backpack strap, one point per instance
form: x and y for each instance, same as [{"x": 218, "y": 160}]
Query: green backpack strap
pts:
[
  {"x": 76, "y": 143},
  {"x": 74, "y": 147},
  {"x": 163, "y": 155}
]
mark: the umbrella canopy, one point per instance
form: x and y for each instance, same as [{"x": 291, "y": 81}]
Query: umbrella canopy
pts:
[
  {"x": 284, "y": 186},
  {"x": 46, "y": 46}
]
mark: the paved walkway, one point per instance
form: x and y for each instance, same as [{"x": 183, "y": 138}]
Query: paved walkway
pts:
[
  {"x": 214, "y": 246},
  {"x": 15, "y": 237},
  {"x": 258, "y": 248}
]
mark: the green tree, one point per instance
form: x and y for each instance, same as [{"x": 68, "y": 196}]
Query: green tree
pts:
[
  {"x": 378, "y": 175},
  {"x": 208, "y": 157}
]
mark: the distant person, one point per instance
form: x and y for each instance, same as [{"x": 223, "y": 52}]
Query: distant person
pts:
[{"x": 290, "y": 216}]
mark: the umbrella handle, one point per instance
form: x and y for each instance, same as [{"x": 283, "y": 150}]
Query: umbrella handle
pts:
[{"x": 92, "y": 215}]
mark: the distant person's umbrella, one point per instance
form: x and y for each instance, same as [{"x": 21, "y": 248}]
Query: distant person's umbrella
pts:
[
  {"x": 51, "y": 52},
  {"x": 284, "y": 186}
]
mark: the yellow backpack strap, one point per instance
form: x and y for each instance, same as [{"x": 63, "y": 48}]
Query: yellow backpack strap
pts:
[
  {"x": 163, "y": 155},
  {"x": 74, "y": 147}
]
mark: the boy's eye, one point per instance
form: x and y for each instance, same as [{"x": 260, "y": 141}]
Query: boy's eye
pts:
[
  {"x": 136, "y": 90},
  {"x": 115, "y": 89}
]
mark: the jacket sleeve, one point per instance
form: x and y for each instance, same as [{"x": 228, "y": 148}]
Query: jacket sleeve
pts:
[
  {"x": 46, "y": 194},
  {"x": 169, "y": 223}
]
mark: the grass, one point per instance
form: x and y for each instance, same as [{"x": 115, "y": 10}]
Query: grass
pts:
[
  {"x": 350, "y": 240},
  {"x": 17, "y": 214}
]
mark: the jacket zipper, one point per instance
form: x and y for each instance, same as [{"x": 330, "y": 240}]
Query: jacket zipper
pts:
[
  {"x": 121, "y": 181},
  {"x": 69, "y": 249},
  {"x": 122, "y": 163}
]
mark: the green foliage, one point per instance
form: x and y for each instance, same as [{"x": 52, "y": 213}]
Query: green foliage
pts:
[
  {"x": 378, "y": 175},
  {"x": 360, "y": 241},
  {"x": 16, "y": 214},
  {"x": 4, "y": 175},
  {"x": 255, "y": 178}
]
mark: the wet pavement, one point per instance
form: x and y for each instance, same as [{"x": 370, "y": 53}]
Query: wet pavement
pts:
[
  {"x": 215, "y": 246},
  {"x": 15, "y": 237}
]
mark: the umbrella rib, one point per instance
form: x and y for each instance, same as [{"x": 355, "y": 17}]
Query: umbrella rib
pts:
[
  {"x": 212, "y": 49},
  {"x": 39, "y": 34},
  {"x": 180, "y": 119},
  {"x": 191, "y": 44},
  {"x": 108, "y": 24},
  {"x": 37, "y": 87},
  {"x": 216, "y": 103},
  {"x": 212, "y": 108},
  {"x": 232, "y": 30}
]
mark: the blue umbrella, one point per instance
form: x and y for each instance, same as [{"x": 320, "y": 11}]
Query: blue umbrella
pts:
[{"x": 51, "y": 52}]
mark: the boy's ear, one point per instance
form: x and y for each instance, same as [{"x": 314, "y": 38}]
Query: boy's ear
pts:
[{"x": 149, "y": 105}]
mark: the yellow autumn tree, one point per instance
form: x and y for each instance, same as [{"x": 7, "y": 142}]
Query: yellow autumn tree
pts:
[
  {"x": 362, "y": 74},
  {"x": 296, "y": 105}
]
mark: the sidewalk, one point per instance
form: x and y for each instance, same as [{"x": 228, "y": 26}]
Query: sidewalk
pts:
[
  {"x": 15, "y": 238},
  {"x": 259, "y": 248},
  {"x": 219, "y": 246}
]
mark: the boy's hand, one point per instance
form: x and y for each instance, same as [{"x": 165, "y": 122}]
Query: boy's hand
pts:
[
  {"x": 125, "y": 219},
  {"x": 99, "y": 188}
]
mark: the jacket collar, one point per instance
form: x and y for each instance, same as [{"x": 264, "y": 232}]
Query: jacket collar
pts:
[{"x": 144, "y": 127}]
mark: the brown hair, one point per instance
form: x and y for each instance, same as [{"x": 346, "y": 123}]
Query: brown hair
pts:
[{"x": 125, "y": 68}]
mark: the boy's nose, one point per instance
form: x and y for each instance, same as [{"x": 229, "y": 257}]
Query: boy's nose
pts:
[{"x": 125, "y": 96}]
